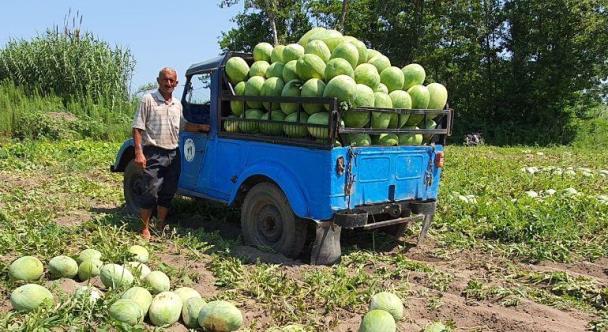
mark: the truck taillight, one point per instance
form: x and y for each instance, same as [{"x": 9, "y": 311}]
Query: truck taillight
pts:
[{"x": 439, "y": 159}]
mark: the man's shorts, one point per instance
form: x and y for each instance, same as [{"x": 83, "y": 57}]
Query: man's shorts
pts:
[{"x": 161, "y": 176}]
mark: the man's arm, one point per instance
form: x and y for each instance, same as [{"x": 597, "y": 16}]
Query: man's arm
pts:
[
  {"x": 196, "y": 127},
  {"x": 140, "y": 159}
]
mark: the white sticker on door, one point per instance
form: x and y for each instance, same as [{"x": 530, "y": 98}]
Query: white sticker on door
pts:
[{"x": 189, "y": 149}]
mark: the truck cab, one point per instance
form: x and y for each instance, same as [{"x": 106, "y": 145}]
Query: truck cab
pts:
[{"x": 283, "y": 183}]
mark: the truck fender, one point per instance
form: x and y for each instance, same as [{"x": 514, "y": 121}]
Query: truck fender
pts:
[
  {"x": 282, "y": 177},
  {"x": 125, "y": 154}
]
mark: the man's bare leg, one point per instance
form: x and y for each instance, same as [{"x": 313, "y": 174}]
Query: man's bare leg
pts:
[
  {"x": 162, "y": 216},
  {"x": 145, "y": 215}
]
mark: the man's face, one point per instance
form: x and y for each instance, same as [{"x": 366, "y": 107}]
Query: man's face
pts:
[{"x": 167, "y": 81}]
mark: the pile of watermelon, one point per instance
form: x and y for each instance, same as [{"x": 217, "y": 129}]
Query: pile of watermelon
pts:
[
  {"x": 136, "y": 292},
  {"x": 325, "y": 63}
]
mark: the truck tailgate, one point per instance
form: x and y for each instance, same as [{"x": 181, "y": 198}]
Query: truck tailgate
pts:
[{"x": 384, "y": 174}]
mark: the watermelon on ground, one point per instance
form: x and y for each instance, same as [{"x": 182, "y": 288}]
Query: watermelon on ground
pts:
[
  {"x": 29, "y": 297},
  {"x": 378, "y": 321},
  {"x": 388, "y": 302},
  {"x": 26, "y": 268},
  {"x": 220, "y": 316}
]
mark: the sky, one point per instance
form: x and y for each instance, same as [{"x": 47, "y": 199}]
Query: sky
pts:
[{"x": 158, "y": 33}]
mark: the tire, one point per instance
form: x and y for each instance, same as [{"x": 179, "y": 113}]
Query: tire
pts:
[
  {"x": 267, "y": 221},
  {"x": 133, "y": 186}
]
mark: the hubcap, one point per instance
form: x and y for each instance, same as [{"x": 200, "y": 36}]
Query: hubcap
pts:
[{"x": 268, "y": 222}]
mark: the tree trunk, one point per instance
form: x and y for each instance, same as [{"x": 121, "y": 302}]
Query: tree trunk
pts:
[
  {"x": 270, "y": 10},
  {"x": 343, "y": 17}
]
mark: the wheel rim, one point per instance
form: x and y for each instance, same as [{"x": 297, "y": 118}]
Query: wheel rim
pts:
[{"x": 268, "y": 224}]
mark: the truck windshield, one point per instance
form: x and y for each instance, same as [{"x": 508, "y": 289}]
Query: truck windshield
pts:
[{"x": 199, "y": 90}]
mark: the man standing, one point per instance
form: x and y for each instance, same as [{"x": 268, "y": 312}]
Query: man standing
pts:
[{"x": 155, "y": 134}]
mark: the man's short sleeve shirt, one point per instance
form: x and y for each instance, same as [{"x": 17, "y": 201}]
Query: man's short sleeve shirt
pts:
[{"x": 160, "y": 120}]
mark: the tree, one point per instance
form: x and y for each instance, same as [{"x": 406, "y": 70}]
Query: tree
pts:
[{"x": 274, "y": 21}]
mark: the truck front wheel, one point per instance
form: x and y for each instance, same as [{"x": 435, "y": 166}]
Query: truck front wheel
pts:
[
  {"x": 267, "y": 221},
  {"x": 133, "y": 188}
]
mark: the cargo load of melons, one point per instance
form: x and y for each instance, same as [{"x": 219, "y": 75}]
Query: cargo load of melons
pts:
[{"x": 325, "y": 63}]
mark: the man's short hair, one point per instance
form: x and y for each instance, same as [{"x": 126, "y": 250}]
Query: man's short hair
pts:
[{"x": 168, "y": 70}]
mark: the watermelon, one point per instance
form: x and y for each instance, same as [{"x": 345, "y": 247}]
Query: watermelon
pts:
[
  {"x": 318, "y": 48},
  {"x": 165, "y": 309},
  {"x": 392, "y": 77},
  {"x": 275, "y": 70},
  {"x": 237, "y": 107},
  {"x": 89, "y": 268},
  {"x": 296, "y": 130},
  {"x": 436, "y": 327},
  {"x": 320, "y": 118},
  {"x": 273, "y": 129},
  {"x": 258, "y": 68},
  {"x": 367, "y": 74},
  {"x": 400, "y": 99},
  {"x": 359, "y": 139},
  {"x": 220, "y": 316},
  {"x": 381, "y": 88},
  {"x": 113, "y": 275},
  {"x": 231, "y": 124},
  {"x": 372, "y": 53},
  {"x": 277, "y": 54},
  {"x": 63, "y": 267},
  {"x": 88, "y": 294},
  {"x": 126, "y": 311},
  {"x": 420, "y": 100},
  {"x": 185, "y": 293},
  {"x": 29, "y": 297},
  {"x": 140, "y": 296},
  {"x": 377, "y": 321},
  {"x": 429, "y": 124},
  {"x": 410, "y": 138},
  {"x": 388, "y": 302},
  {"x": 361, "y": 48},
  {"x": 139, "y": 253},
  {"x": 438, "y": 97},
  {"x": 190, "y": 311},
  {"x": 304, "y": 40},
  {"x": 291, "y": 89},
  {"x": 236, "y": 69},
  {"x": 289, "y": 71},
  {"x": 348, "y": 52},
  {"x": 338, "y": 66},
  {"x": 413, "y": 74},
  {"x": 88, "y": 254},
  {"x": 313, "y": 88},
  {"x": 26, "y": 268},
  {"x": 157, "y": 282},
  {"x": 310, "y": 66},
  {"x": 272, "y": 87},
  {"x": 253, "y": 87},
  {"x": 292, "y": 52},
  {"x": 332, "y": 38},
  {"x": 341, "y": 87},
  {"x": 380, "y": 62},
  {"x": 262, "y": 52},
  {"x": 381, "y": 120},
  {"x": 387, "y": 140},
  {"x": 251, "y": 126},
  {"x": 364, "y": 97}
]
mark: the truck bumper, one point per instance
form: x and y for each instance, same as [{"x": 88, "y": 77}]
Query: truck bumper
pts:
[{"x": 364, "y": 216}]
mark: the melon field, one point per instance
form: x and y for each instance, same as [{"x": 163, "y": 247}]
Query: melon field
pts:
[{"x": 519, "y": 243}]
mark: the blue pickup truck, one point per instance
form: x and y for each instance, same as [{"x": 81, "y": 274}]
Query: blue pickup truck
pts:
[{"x": 287, "y": 187}]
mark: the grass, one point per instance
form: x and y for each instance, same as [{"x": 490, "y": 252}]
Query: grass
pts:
[{"x": 48, "y": 183}]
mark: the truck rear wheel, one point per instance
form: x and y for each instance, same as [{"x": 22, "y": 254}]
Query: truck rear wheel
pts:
[
  {"x": 267, "y": 221},
  {"x": 133, "y": 188}
]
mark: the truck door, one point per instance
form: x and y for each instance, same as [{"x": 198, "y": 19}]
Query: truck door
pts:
[{"x": 193, "y": 146}]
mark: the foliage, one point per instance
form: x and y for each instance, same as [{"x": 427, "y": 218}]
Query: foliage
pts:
[
  {"x": 70, "y": 64},
  {"x": 509, "y": 66},
  {"x": 36, "y": 116}
]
